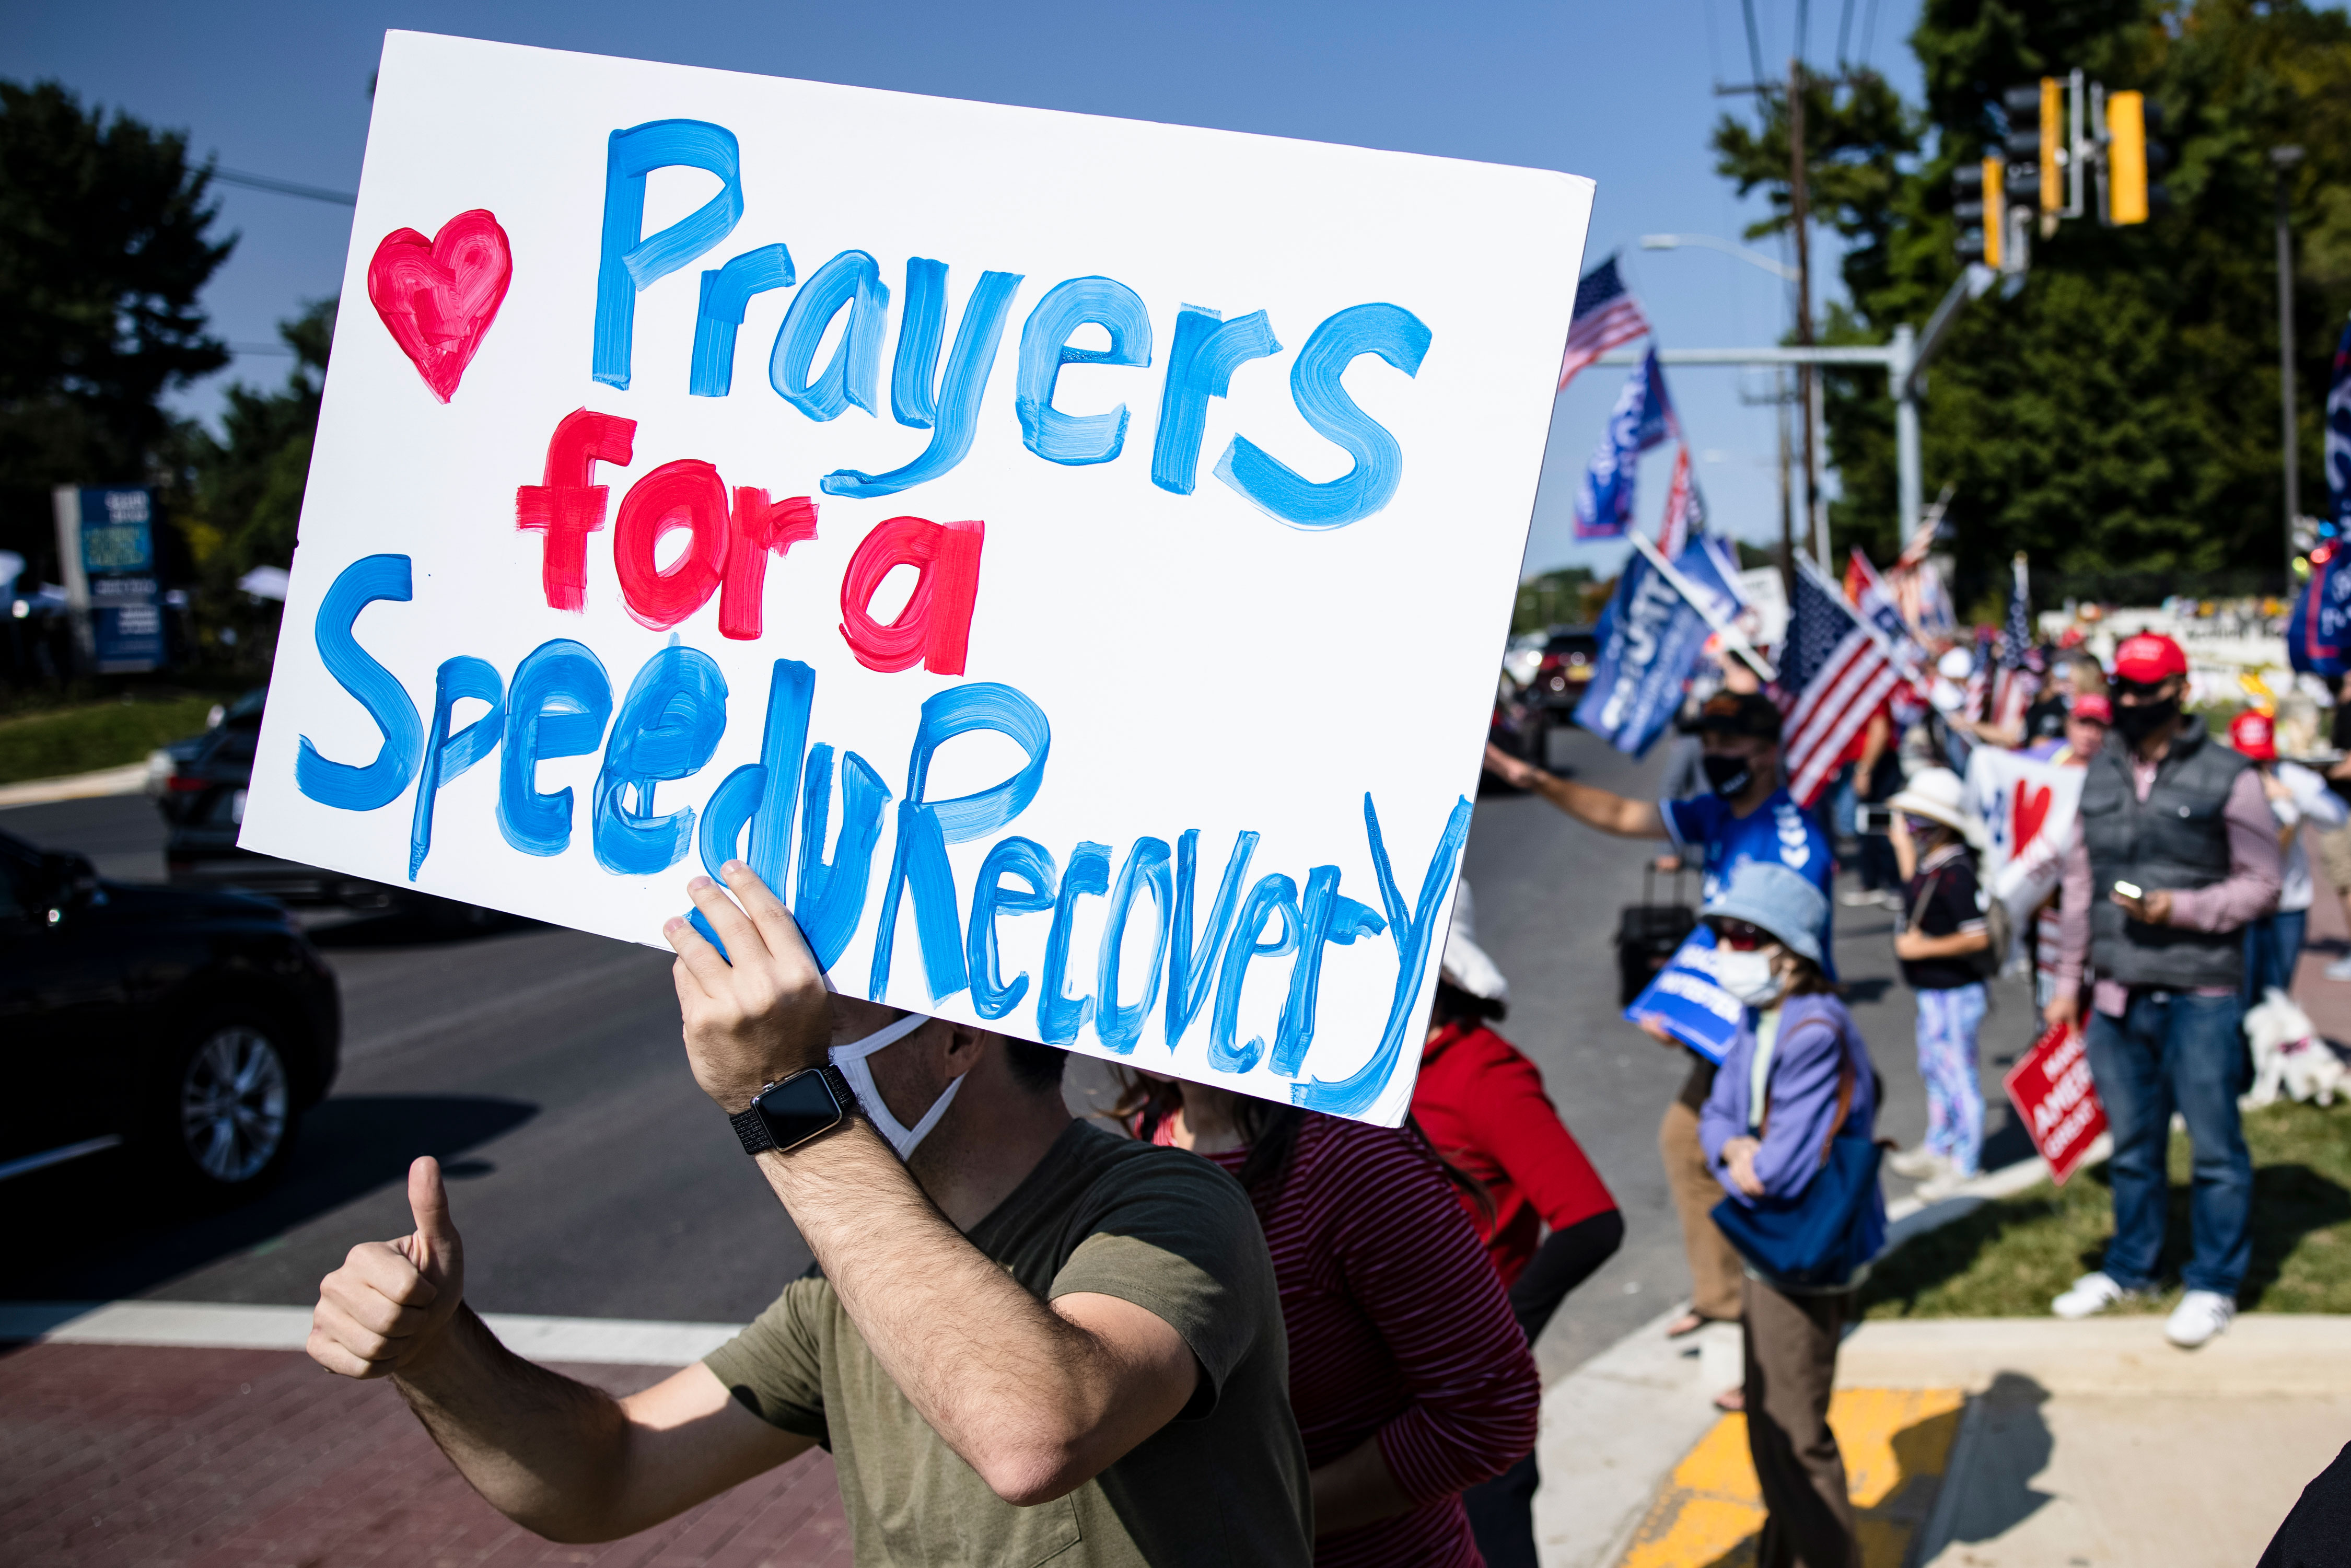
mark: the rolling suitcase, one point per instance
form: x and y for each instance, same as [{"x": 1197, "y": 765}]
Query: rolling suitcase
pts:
[{"x": 1648, "y": 934}]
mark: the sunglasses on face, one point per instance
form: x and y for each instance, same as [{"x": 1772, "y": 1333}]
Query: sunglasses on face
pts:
[{"x": 1740, "y": 936}]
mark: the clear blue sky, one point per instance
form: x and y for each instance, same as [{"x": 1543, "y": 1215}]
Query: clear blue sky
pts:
[{"x": 1623, "y": 93}]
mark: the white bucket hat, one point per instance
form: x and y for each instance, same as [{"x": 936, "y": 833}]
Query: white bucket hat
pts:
[
  {"x": 1936, "y": 793},
  {"x": 1465, "y": 963}
]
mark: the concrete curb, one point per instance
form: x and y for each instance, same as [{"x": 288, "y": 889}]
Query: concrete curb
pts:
[
  {"x": 128, "y": 779},
  {"x": 221, "y": 1326}
]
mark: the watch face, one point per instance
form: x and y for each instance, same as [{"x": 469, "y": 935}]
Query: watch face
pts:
[{"x": 799, "y": 1108}]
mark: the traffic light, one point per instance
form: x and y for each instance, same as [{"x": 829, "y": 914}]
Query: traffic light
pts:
[
  {"x": 2031, "y": 144},
  {"x": 2131, "y": 158},
  {"x": 1977, "y": 203}
]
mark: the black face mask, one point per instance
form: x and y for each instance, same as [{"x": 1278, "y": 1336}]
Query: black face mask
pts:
[
  {"x": 2137, "y": 721},
  {"x": 1729, "y": 775}
]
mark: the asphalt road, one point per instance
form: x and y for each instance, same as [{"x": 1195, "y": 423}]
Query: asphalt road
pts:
[{"x": 590, "y": 1177}]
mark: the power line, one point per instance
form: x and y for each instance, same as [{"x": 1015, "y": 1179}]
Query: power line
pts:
[
  {"x": 1845, "y": 32},
  {"x": 1868, "y": 30},
  {"x": 284, "y": 187},
  {"x": 1754, "y": 43}
]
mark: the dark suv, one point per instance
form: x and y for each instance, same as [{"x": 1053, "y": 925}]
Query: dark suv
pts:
[
  {"x": 1558, "y": 684},
  {"x": 195, "y": 1027}
]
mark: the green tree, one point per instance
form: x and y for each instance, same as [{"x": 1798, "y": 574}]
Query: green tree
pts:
[
  {"x": 2119, "y": 413},
  {"x": 105, "y": 243}
]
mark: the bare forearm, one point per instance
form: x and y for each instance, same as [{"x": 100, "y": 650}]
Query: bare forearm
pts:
[
  {"x": 547, "y": 1451},
  {"x": 1953, "y": 947},
  {"x": 1611, "y": 813},
  {"x": 1010, "y": 1384},
  {"x": 1356, "y": 1489}
]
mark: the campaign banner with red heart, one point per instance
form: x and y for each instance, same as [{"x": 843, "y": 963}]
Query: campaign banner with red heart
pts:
[
  {"x": 2026, "y": 805},
  {"x": 439, "y": 296}
]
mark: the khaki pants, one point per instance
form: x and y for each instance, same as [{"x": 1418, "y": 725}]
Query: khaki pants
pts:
[
  {"x": 1791, "y": 1345},
  {"x": 1713, "y": 1268}
]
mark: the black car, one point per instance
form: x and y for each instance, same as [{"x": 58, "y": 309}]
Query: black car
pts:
[
  {"x": 199, "y": 785},
  {"x": 195, "y": 1027},
  {"x": 1549, "y": 700}
]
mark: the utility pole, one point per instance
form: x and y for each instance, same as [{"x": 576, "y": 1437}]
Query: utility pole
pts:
[
  {"x": 1799, "y": 208},
  {"x": 2283, "y": 159}
]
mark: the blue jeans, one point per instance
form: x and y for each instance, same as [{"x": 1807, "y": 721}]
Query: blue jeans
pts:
[
  {"x": 2173, "y": 1050},
  {"x": 2272, "y": 943}
]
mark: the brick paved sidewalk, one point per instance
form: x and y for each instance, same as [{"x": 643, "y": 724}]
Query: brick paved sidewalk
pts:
[{"x": 122, "y": 1455}]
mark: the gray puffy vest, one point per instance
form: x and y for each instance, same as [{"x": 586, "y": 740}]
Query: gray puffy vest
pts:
[{"x": 2174, "y": 840}]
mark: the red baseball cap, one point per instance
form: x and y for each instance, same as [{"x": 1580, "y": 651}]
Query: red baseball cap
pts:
[
  {"x": 2147, "y": 658},
  {"x": 2252, "y": 733},
  {"x": 2094, "y": 706}
]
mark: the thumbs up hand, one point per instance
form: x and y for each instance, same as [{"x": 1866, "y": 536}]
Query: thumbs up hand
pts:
[{"x": 388, "y": 1303}]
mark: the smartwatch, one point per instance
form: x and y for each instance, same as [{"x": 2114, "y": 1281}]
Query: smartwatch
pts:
[{"x": 793, "y": 1111}]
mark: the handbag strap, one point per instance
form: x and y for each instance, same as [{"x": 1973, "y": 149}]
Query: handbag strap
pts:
[{"x": 1845, "y": 1077}]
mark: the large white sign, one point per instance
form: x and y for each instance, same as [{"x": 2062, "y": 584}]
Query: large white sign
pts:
[{"x": 1068, "y": 558}]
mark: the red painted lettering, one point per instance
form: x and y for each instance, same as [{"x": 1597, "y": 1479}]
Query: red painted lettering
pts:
[
  {"x": 567, "y": 508},
  {"x": 760, "y": 526},
  {"x": 934, "y": 628},
  {"x": 687, "y": 494}
]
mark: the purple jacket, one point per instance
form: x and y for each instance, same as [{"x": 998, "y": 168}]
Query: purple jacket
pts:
[{"x": 1816, "y": 1033}]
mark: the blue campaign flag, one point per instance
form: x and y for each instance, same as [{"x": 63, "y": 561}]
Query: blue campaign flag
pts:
[
  {"x": 2339, "y": 441},
  {"x": 1643, "y": 415},
  {"x": 2318, "y": 632},
  {"x": 1688, "y": 1003},
  {"x": 1650, "y": 637}
]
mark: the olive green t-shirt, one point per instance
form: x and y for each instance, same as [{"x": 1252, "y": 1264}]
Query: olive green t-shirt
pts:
[{"x": 1225, "y": 1482}]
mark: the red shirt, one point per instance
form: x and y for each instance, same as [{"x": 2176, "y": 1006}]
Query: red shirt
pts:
[
  {"x": 1399, "y": 1330},
  {"x": 1482, "y": 1103}
]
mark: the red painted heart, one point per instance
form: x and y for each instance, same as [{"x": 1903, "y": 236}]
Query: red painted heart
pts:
[
  {"x": 2031, "y": 809},
  {"x": 438, "y": 296}
]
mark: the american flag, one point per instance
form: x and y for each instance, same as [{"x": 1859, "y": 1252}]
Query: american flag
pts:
[
  {"x": 1838, "y": 674},
  {"x": 1876, "y": 599},
  {"x": 2018, "y": 682},
  {"x": 1606, "y": 316}
]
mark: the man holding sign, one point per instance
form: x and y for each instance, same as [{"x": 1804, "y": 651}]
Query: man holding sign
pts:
[
  {"x": 1748, "y": 817},
  {"x": 1032, "y": 1335}
]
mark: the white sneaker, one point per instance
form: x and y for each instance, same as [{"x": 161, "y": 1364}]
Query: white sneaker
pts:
[
  {"x": 1858, "y": 898},
  {"x": 2091, "y": 1295},
  {"x": 1941, "y": 1185},
  {"x": 2340, "y": 969},
  {"x": 1916, "y": 1165},
  {"x": 2199, "y": 1316}
]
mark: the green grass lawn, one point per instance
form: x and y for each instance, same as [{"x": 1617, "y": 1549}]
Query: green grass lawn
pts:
[
  {"x": 97, "y": 735},
  {"x": 2009, "y": 1257}
]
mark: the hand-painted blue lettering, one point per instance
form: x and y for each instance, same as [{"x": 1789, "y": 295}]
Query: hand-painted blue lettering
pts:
[
  {"x": 632, "y": 261},
  {"x": 556, "y": 706},
  {"x": 1412, "y": 928},
  {"x": 1273, "y": 895},
  {"x": 763, "y": 794},
  {"x": 669, "y": 725},
  {"x": 1192, "y": 968},
  {"x": 726, "y": 296},
  {"x": 958, "y": 404},
  {"x": 926, "y": 827},
  {"x": 1060, "y": 1016},
  {"x": 1076, "y": 439},
  {"x": 1395, "y": 335},
  {"x": 852, "y": 280},
  {"x": 1329, "y": 915},
  {"x": 1208, "y": 349},
  {"x": 921, "y": 328},
  {"x": 460, "y": 679},
  {"x": 992, "y": 996},
  {"x": 346, "y": 786},
  {"x": 831, "y": 897},
  {"x": 1118, "y": 1028}
]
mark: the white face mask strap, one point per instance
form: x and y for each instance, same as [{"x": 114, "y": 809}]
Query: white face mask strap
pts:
[
  {"x": 889, "y": 1034},
  {"x": 851, "y": 1058}
]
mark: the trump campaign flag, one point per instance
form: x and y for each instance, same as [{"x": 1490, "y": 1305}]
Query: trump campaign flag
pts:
[
  {"x": 1650, "y": 637},
  {"x": 1643, "y": 414},
  {"x": 2320, "y": 627},
  {"x": 2026, "y": 809}
]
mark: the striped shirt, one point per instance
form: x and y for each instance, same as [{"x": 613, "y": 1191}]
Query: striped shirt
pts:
[{"x": 1398, "y": 1328}]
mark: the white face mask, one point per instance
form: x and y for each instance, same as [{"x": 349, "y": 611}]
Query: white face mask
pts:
[
  {"x": 851, "y": 1060},
  {"x": 1752, "y": 977}
]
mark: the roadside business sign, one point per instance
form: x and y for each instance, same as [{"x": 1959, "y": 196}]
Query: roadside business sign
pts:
[
  {"x": 2055, "y": 1097},
  {"x": 106, "y": 546},
  {"x": 1066, "y": 557}
]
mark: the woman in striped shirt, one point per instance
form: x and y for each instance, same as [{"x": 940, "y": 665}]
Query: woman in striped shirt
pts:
[{"x": 1408, "y": 1374}]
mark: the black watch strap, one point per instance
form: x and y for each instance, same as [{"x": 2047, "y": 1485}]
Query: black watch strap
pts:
[{"x": 750, "y": 1123}]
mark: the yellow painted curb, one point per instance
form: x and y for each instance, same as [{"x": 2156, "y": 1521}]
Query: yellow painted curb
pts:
[{"x": 1895, "y": 1442}]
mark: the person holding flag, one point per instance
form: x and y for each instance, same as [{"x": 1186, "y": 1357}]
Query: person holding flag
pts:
[{"x": 1748, "y": 817}]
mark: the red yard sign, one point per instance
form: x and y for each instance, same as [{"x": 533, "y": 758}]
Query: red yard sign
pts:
[{"x": 2050, "y": 1087}]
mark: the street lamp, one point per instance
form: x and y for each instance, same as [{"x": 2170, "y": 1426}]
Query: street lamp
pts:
[
  {"x": 1709, "y": 241},
  {"x": 2283, "y": 160}
]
